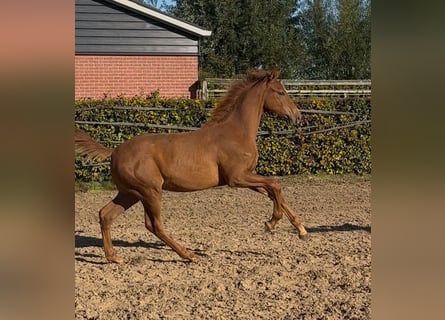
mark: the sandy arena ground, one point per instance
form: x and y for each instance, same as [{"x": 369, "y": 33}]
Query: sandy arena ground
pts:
[{"x": 244, "y": 272}]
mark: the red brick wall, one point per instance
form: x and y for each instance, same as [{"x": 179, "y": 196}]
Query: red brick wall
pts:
[{"x": 134, "y": 75}]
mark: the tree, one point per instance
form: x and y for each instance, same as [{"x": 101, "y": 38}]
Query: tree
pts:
[
  {"x": 312, "y": 39},
  {"x": 245, "y": 34},
  {"x": 337, "y": 38},
  {"x": 353, "y": 40}
]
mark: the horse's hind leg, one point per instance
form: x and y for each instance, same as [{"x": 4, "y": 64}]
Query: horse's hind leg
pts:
[
  {"x": 106, "y": 216},
  {"x": 153, "y": 222}
]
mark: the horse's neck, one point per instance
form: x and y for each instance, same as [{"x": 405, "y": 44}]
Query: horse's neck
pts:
[{"x": 247, "y": 115}]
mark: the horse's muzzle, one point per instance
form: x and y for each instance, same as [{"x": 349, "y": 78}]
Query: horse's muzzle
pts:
[{"x": 295, "y": 117}]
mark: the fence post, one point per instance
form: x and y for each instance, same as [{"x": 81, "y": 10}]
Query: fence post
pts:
[{"x": 205, "y": 91}]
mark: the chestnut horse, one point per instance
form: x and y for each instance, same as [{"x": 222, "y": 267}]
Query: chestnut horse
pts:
[{"x": 222, "y": 152}]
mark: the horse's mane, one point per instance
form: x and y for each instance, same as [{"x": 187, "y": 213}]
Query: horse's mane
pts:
[{"x": 229, "y": 101}]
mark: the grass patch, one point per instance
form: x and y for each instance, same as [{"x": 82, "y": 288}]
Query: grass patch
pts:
[{"x": 94, "y": 186}]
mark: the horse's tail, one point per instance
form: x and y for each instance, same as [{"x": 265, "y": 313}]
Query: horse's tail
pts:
[{"x": 86, "y": 146}]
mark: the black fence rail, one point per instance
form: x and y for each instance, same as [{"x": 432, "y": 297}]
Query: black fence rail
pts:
[{"x": 305, "y": 130}]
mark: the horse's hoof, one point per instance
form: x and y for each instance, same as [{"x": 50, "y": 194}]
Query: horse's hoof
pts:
[
  {"x": 303, "y": 236},
  {"x": 193, "y": 258},
  {"x": 268, "y": 226}
]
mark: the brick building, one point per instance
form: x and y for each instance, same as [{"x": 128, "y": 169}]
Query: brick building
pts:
[{"x": 123, "y": 48}]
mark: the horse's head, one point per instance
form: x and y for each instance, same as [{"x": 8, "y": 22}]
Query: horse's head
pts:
[{"x": 278, "y": 101}]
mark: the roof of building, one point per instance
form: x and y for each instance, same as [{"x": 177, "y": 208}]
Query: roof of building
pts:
[{"x": 162, "y": 17}]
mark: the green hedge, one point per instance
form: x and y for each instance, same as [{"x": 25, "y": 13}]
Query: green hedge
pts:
[
  {"x": 345, "y": 150},
  {"x": 338, "y": 151}
]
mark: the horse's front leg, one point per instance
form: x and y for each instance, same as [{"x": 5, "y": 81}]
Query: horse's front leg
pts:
[
  {"x": 265, "y": 185},
  {"x": 291, "y": 215}
]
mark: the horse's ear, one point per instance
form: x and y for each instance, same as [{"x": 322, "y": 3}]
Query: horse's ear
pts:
[{"x": 274, "y": 74}]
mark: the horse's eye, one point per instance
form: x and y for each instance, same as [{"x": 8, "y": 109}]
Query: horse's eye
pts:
[{"x": 282, "y": 93}]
